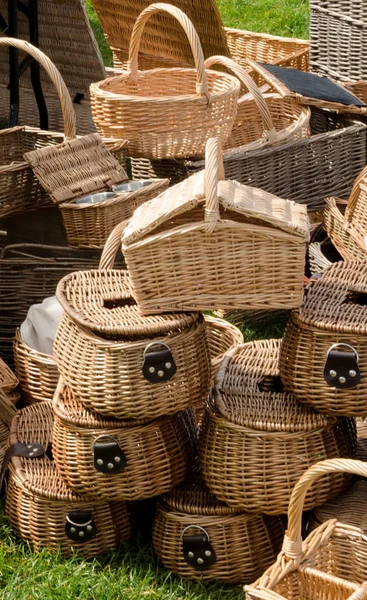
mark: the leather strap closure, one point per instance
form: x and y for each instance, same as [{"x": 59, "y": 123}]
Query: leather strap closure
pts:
[
  {"x": 108, "y": 456},
  {"x": 341, "y": 368},
  {"x": 31, "y": 450},
  {"x": 197, "y": 549},
  {"x": 158, "y": 364},
  {"x": 80, "y": 526}
]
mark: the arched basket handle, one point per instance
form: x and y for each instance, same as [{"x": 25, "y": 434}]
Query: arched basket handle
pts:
[
  {"x": 214, "y": 172},
  {"x": 68, "y": 112},
  {"x": 112, "y": 246},
  {"x": 132, "y": 66}
]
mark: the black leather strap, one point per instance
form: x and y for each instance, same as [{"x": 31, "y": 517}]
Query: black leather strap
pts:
[{"x": 31, "y": 450}]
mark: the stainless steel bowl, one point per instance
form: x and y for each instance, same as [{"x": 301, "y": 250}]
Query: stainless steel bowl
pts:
[
  {"x": 96, "y": 198},
  {"x": 132, "y": 186}
]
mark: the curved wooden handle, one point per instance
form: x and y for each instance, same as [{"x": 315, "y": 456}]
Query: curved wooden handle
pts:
[
  {"x": 68, "y": 112},
  {"x": 214, "y": 172},
  {"x": 355, "y": 194},
  {"x": 189, "y": 29},
  {"x": 112, "y": 246},
  {"x": 255, "y": 92}
]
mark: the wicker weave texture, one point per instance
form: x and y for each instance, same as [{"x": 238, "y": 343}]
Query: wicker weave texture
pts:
[
  {"x": 244, "y": 544},
  {"x": 256, "y": 440},
  {"x": 338, "y": 34},
  {"x": 38, "y": 501},
  {"x": 296, "y": 573},
  {"x": 159, "y": 454},
  {"x": 333, "y": 313}
]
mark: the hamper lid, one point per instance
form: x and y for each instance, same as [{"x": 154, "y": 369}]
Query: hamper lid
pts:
[
  {"x": 348, "y": 509},
  {"x": 34, "y": 424},
  {"x": 75, "y": 168},
  {"x": 249, "y": 392},
  {"x": 337, "y": 301},
  {"x": 243, "y": 201},
  {"x": 102, "y": 301}
]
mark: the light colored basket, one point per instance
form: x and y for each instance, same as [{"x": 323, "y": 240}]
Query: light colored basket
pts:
[
  {"x": 39, "y": 505},
  {"x": 244, "y": 544},
  {"x": 211, "y": 225},
  {"x": 297, "y": 573},
  {"x": 155, "y": 456},
  {"x": 329, "y": 334},
  {"x": 222, "y": 336},
  {"x": 165, "y": 113},
  {"x": 256, "y": 440}
]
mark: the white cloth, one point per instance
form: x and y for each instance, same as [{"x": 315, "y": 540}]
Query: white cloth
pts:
[{"x": 39, "y": 328}]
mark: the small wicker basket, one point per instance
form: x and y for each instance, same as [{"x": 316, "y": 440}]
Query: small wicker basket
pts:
[
  {"x": 323, "y": 357},
  {"x": 256, "y": 440},
  {"x": 242, "y": 544},
  {"x": 166, "y": 112},
  {"x": 120, "y": 460},
  {"x": 211, "y": 225},
  {"x": 39, "y": 505},
  {"x": 299, "y": 569}
]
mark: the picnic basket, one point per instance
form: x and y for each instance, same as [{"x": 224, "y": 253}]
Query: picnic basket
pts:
[
  {"x": 120, "y": 460},
  {"x": 166, "y": 112},
  {"x": 323, "y": 357},
  {"x": 191, "y": 521},
  {"x": 296, "y": 574},
  {"x": 41, "y": 508},
  {"x": 348, "y": 231},
  {"x": 256, "y": 440},
  {"x": 211, "y": 224}
]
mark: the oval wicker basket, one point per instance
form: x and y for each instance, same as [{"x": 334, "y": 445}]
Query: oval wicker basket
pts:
[
  {"x": 37, "y": 372},
  {"x": 306, "y": 570},
  {"x": 168, "y": 112},
  {"x": 121, "y": 364},
  {"x": 244, "y": 544},
  {"x": 261, "y": 120},
  {"x": 256, "y": 440},
  {"x": 39, "y": 505},
  {"x": 323, "y": 358},
  {"x": 154, "y": 456}
]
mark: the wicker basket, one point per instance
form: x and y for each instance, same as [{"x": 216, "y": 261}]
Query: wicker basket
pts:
[
  {"x": 81, "y": 167},
  {"x": 138, "y": 106},
  {"x": 191, "y": 520},
  {"x": 256, "y": 440},
  {"x": 121, "y": 364},
  {"x": 260, "y": 120},
  {"x": 348, "y": 231},
  {"x": 211, "y": 225},
  {"x": 7, "y": 406},
  {"x": 338, "y": 32},
  {"x": 37, "y": 372},
  {"x": 42, "y": 508},
  {"x": 323, "y": 358},
  {"x": 359, "y": 88},
  {"x": 8, "y": 381},
  {"x": 297, "y": 573},
  {"x": 222, "y": 336},
  {"x": 147, "y": 458}
]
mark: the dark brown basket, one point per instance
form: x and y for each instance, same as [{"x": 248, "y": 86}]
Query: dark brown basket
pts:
[
  {"x": 144, "y": 459},
  {"x": 43, "y": 509},
  {"x": 324, "y": 347},
  {"x": 243, "y": 544},
  {"x": 257, "y": 440}
]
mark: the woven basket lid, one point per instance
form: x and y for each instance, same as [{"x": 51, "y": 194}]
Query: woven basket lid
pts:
[
  {"x": 348, "y": 509},
  {"x": 194, "y": 498},
  {"x": 102, "y": 301},
  {"x": 240, "y": 203},
  {"x": 75, "y": 168},
  {"x": 39, "y": 476},
  {"x": 337, "y": 301},
  {"x": 249, "y": 392}
]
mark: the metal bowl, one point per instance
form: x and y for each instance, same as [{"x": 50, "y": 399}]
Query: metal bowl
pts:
[
  {"x": 132, "y": 186},
  {"x": 96, "y": 198}
]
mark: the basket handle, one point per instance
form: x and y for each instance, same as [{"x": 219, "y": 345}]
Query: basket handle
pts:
[
  {"x": 255, "y": 91},
  {"x": 189, "y": 29},
  {"x": 214, "y": 172},
  {"x": 7, "y": 408},
  {"x": 68, "y": 112},
  {"x": 112, "y": 246},
  {"x": 292, "y": 545},
  {"x": 355, "y": 194}
]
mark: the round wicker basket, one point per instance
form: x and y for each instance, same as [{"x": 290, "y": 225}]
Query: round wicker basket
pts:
[
  {"x": 120, "y": 460},
  {"x": 257, "y": 440},
  {"x": 323, "y": 358},
  {"x": 40, "y": 506},
  {"x": 121, "y": 364},
  {"x": 243, "y": 544}
]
